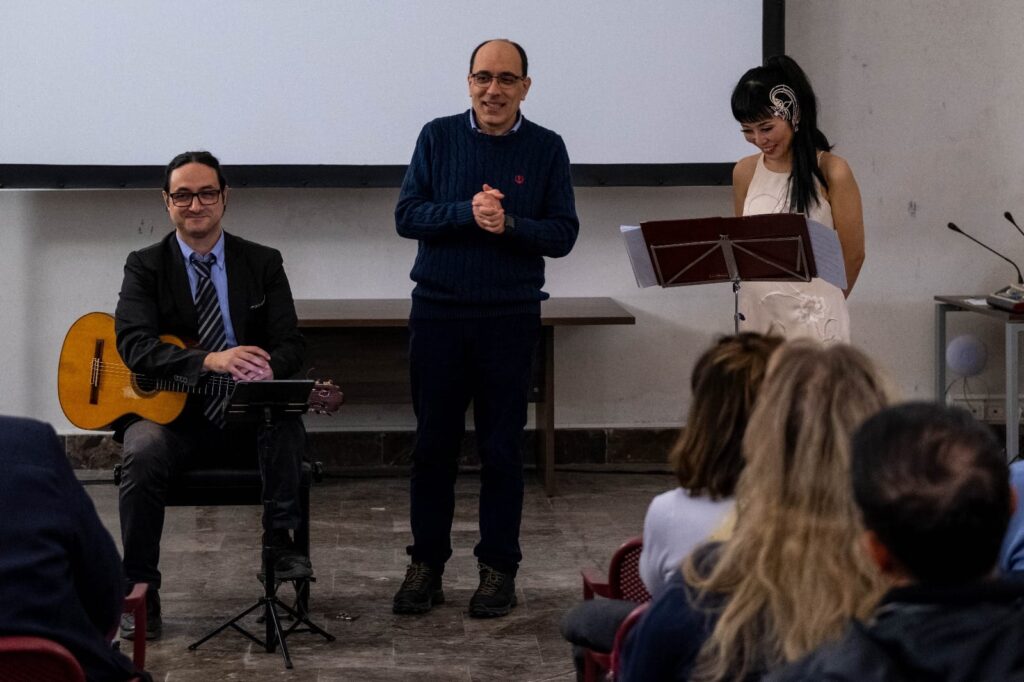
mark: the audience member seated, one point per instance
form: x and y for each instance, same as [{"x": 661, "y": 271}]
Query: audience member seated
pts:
[
  {"x": 932, "y": 486},
  {"x": 707, "y": 461},
  {"x": 1011, "y": 557},
  {"x": 790, "y": 576},
  {"x": 60, "y": 573}
]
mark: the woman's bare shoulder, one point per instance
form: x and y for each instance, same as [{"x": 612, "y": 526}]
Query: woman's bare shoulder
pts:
[
  {"x": 744, "y": 168},
  {"x": 835, "y": 168}
]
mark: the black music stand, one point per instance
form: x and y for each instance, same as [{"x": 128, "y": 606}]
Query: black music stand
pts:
[
  {"x": 265, "y": 402},
  {"x": 775, "y": 247}
]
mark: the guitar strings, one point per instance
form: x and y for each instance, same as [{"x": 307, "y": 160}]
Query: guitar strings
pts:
[{"x": 214, "y": 385}]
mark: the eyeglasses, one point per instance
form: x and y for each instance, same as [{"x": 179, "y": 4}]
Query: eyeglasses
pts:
[
  {"x": 483, "y": 79},
  {"x": 207, "y": 197}
]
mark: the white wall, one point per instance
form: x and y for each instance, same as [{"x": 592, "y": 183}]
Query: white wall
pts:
[
  {"x": 248, "y": 71},
  {"x": 922, "y": 97}
]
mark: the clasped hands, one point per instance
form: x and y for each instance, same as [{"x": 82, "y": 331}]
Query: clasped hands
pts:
[
  {"x": 243, "y": 363},
  {"x": 487, "y": 210}
]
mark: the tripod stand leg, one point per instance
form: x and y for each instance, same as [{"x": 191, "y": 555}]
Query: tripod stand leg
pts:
[
  {"x": 232, "y": 623},
  {"x": 303, "y": 619},
  {"x": 274, "y": 634},
  {"x": 301, "y": 602},
  {"x": 273, "y": 628},
  {"x": 302, "y": 597}
]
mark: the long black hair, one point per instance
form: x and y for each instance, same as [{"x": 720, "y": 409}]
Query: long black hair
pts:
[{"x": 751, "y": 103}]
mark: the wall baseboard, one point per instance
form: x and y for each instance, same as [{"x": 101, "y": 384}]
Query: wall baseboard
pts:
[{"x": 343, "y": 451}]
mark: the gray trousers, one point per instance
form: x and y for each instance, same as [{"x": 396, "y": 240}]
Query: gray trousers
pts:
[
  {"x": 154, "y": 454},
  {"x": 592, "y": 624}
]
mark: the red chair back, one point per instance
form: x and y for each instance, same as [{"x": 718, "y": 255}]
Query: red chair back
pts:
[
  {"x": 624, "y": 573},
  {"x": 623, "y": 583},
  {"x": 135, "y": 604},
  {"x": 34, "y": 659},
  {"x": 621, "y": 634}
]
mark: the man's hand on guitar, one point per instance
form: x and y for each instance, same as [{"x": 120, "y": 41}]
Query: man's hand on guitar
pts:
[{"x": 244, "y": 363}]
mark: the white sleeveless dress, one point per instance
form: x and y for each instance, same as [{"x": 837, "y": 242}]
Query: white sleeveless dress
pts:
[{"x": 813, "y": 309}]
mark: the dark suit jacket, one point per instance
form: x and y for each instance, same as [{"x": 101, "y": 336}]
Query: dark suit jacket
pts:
[
  {"x": 156, "y": 299},
  {"x": 60, "y": 574}
]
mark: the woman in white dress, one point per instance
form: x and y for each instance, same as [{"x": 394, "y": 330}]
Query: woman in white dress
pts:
[{"x": 794, "y": 172}]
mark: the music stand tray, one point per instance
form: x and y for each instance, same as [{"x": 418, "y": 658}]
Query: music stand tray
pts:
[
  {"x": 251, "y": 399},
  {"x": 264, "y": 402}
]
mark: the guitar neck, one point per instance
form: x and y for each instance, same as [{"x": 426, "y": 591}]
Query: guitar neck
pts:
[{"x": 216, "y": 385}]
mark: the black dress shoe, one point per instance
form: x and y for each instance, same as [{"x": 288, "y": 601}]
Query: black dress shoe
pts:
[
  {"x": 154, "y": 620},
  {"x": 289, "y": 563}
]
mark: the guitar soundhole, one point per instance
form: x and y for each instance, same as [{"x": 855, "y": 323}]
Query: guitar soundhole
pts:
[{"x": 144, "y": 386}]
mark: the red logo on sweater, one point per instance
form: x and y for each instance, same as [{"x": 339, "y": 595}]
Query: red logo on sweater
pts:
[{"x": 519, "y": 179}]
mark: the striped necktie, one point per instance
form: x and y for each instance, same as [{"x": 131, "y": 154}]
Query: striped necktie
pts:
[{"x": 211, "y": 331}]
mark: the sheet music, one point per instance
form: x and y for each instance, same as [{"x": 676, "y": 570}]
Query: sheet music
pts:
[
  {"x": 828, "y": 253},
  {"x": 639, "y": 257}
]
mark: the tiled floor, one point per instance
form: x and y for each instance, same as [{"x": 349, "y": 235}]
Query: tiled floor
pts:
[{"x": 359, "y": 531}]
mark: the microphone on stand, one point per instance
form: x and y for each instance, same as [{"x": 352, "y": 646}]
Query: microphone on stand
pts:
[
  {"x": 1020, "y": 279},
  {"x": 1009, "y": 298},
  {"x": 1013, "y": 222}
]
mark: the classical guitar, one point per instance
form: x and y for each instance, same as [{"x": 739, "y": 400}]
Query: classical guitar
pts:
[{"x": 96, "y": 387}]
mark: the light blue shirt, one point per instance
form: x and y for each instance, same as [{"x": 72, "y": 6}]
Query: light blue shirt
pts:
[
  {"x": 219, "y": 275},
  {"x": 514, "y": 129}
]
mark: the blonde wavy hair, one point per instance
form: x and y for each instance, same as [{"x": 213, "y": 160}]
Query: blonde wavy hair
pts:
[{"x": 793, "y": 574}]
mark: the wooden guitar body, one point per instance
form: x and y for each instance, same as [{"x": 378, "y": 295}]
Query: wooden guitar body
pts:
[{"x": 95, "y": 387}]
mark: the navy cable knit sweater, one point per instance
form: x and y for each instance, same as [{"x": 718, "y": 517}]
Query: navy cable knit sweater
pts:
[{"x": 462, "y": 270}]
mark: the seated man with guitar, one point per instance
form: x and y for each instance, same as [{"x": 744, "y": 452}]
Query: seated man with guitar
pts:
[{"x": 229, "y": 299}]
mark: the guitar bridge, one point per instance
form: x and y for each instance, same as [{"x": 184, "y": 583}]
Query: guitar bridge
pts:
[{"x": 94, "y": 380}]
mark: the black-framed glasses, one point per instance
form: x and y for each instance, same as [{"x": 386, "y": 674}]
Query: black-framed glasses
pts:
[
  {"x": 207, "y": 197},
  {"x": 483, "y": 79}
]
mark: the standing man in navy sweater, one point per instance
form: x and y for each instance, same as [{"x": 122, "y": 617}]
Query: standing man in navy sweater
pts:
[{"x": 487, "y": 195}]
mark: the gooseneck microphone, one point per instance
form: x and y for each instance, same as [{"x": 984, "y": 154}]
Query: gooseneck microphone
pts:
[
  {"x": 1013, "y": 222},
  {"x": 1020, "y": 279}
]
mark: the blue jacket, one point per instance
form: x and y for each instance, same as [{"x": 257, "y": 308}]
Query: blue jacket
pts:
[
  {"x": 1011, "y": 556},
  {"x": 927, "y": 634},
  {"x": 60, "y": 573}
]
